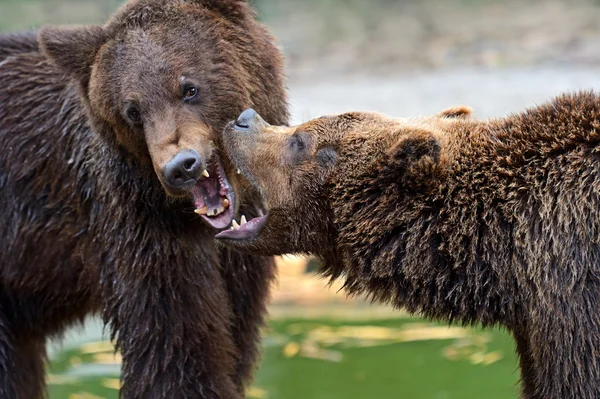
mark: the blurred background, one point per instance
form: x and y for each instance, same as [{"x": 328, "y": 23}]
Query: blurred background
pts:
[{"x": 404, "y": 58}]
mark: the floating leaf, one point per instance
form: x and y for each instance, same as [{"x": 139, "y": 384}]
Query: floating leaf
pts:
[
  {"x": 84, "y": 395},
  {"x": 97, "y": 347},
  {"x": 492, "y": 357},
  {"x": 108, "y": 358},
  {"x": 312, "y": 350},
  {"x": 257, "y": 393},
  {"x": 291, "y": 349},
  {"x": 472, "y": 348},
  {"x": 112, "y": 383},
  {"x": 75, "y": 361},
  {"x": 56, "y": 379}
]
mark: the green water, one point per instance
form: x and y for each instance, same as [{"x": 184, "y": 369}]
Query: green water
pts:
[{"x": 326, "y": 359}]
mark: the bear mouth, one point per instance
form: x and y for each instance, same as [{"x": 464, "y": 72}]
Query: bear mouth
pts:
[
  {"x": 245, "y": 229},
  {"x": 213, "y": 196}
]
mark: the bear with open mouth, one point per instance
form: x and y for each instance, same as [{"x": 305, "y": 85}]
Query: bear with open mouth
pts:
[
  {"x": 477, "y": 222},
  {"x": 111, "y": 140}
]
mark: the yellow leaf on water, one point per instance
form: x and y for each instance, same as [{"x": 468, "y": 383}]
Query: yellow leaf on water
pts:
[
  {"x": 112, "y": 383},
  {"x": 477, "y": 358},
  {"x": 368, "y": 332},
  {"x": 312, "y": 350},
  {"x": 53, "y": 379},
  {"x": 451, "y": 353},
  {"x": 291, "y": 349},
  {"x": 257, "y": 393},
  {"x": 75, "y": 361},
  {"x": 370, "y": 335},
  {"x": 84, "y": 395},
  {"x": 492, "y": 357},
  {"x": 434, "y": 333},
  {"x": 108, "y": 358},
  {"x": 97, "y": 347}
]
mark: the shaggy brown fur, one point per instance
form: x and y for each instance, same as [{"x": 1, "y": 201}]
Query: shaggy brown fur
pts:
[
  {"x": 17, "y": 44},
  {"x": 87, "y": 226},
  {"x": 468, "y": 221}
]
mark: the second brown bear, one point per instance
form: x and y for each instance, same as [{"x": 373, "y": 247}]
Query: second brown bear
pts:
[{"x": 492, "y": 222}]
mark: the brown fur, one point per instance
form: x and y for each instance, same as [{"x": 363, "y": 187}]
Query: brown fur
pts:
[
  {"x": 467, "y": 221},
  {"x": 17, "y": 44},
  {"x": 87, "y": 226}
]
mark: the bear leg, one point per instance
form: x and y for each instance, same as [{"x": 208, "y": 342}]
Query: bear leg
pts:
[
  {"x": 30, "y": 361},
  {"x": 526, "y": 364},
  {"x": 173, "y": 329},
  {"x": 21, "y": 365},
  {"x": 248, "y": 280},
  {"x": 563, "y": 335}
]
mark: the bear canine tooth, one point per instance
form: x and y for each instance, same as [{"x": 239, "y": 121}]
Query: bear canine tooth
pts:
[
  {"x": 243, "y": 220},
  {"x": 235, "y": 225},
  {"x": 239, "y": 172},
  {"x": 205, "y": 173}
]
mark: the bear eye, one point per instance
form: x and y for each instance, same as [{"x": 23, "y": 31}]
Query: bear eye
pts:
[
  {"x": 190, "y": 93},
  {"x": 134, "y": 115}
]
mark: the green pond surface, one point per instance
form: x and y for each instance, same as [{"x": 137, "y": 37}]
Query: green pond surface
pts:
[{"x": 330, "y": 359}]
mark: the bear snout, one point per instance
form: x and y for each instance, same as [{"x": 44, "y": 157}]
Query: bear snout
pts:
[
  {"x": 246, "y": 119},
  {"x": 184, "y": 169}
]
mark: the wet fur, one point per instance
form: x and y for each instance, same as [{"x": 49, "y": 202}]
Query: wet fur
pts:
[
  {"x": 474, "y": 222},
  {"x": 495, "y": 227},
  {"x": 87, "y": 229}
]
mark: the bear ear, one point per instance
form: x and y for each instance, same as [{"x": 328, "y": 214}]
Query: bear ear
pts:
[
  {"x": 72, "y": 49},
  {"x": 230, "y": 9},
  {"x": 414, "y": 160},
  {"x": 462, "y": 111}
]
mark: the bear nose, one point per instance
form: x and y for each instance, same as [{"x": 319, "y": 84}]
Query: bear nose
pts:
[
  {"x": 246, "y": 118},
  {"x": 184, "y": 168}
]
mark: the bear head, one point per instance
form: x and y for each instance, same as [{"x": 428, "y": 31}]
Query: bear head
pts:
[
  {"x": 161, "y": 79},
  {"x": 316, "y": 177}
]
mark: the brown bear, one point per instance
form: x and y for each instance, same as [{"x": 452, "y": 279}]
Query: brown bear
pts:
[
  {"x": 455, "y": 219},
  {"x": 111, "y": 140}
]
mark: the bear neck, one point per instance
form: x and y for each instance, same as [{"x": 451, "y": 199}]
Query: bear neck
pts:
[{"x": 422, "y": 250}]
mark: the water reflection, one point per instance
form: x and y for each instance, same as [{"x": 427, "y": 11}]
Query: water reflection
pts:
[{"x": 337, "y": 357}]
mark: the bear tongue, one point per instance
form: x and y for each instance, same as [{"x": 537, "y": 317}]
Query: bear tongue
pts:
[{"x": 244, "y": 230}]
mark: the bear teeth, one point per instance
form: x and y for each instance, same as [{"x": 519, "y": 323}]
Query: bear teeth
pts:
[
  {"x": 236, "y": 226},
  {"x": 214, "y": 212},
  {"x": 218, "y": 211},
  {"x": 205, "y": 173},
  {"x": 202, "y": 211}
]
